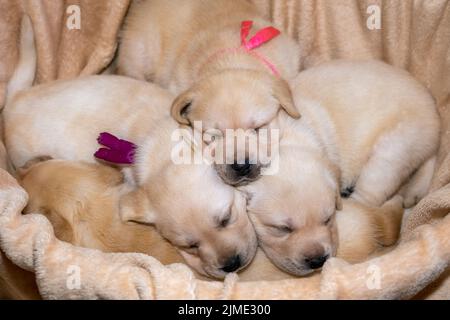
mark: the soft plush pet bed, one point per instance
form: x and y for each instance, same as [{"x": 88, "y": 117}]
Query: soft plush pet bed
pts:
[{"x": 414, "y": 35}]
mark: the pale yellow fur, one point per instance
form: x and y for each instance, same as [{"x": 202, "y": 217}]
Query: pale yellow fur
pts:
[
  {"x": 63, "y": 119},
  {"x": 187, "y": 46},
  {"x": 82, "y": 202},
  {"x": 365, "y": 126}
]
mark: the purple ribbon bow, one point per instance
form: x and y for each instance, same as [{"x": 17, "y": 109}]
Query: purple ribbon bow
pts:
[{"x": 116, "y": 151}]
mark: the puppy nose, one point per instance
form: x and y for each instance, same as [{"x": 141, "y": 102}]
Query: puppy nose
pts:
[
  {"x": 242, "y": 169},
  {"x": 316, "y": 262},
  {"x": 232, "y": 264}
]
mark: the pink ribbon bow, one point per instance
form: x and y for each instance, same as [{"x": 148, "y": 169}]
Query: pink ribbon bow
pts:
[
  {"x": 116, "y": 151},
  {"x": 262, "y": 36}
]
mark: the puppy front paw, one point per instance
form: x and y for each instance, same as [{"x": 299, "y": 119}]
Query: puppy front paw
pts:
[
  {"x": 347, "y": 192},
  {"x": 410, "y": 201}
]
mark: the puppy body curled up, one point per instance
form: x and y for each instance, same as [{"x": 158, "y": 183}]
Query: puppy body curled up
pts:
[
  {"x": 366, "y": 127},
  {"x": 81, "y": 200},
  {"x": 188, "y": 203},
  {"x": 194, "y": 48}
]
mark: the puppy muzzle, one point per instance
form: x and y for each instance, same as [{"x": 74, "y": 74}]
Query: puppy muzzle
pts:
[{"x": 237, "y": 174}]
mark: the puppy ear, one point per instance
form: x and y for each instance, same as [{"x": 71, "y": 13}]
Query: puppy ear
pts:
[
  {"x": 181, "y": 107},
  {"x": 283, "y": 93},
  {"x": 135, "y": 207},
  {"x": 22, "y": 171}
]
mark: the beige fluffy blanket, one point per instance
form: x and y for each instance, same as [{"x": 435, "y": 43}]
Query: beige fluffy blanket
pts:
[{"x": 414, "y": 35}]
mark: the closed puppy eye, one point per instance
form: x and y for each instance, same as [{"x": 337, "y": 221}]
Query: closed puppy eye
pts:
[
  {"x": 213, "y": 134},
  {"x": 194, "y": 245},
  {"x": 281, "y": 230},
  {"x": 328, "y": 220},
  {"x": 285, "y": 229},
  {"x": 224, "y": 221},
  {"x": 191, "y": 247},
  {"x": 264, "y": 126}
]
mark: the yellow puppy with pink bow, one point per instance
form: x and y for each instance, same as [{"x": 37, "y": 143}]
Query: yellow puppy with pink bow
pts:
[{"x": 228, "y": 66}]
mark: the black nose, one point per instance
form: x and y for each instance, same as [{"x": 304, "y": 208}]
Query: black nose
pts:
[
  {"x": 316, "y": 262},
  {"x": 242, "y": 169},
  {"x": 232, "y": 264}
]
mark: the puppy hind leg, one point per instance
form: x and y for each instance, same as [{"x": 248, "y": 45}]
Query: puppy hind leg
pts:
[
  {"x": 417, "y": 187},
  {"x": 388, "y": 220},
  {"x": 394, "y": 158}
]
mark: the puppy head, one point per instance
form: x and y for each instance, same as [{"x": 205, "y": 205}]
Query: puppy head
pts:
[
  {"x": 294, "y": 215},
  {"x": 62, "y": 190},
  {"x": 50, "y": 179},
  {"x": 231, "y": 100},
  {"x": 199, "y": 214}
]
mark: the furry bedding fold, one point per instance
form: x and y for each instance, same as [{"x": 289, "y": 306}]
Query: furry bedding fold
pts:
[{"x": 414, "y": 35}]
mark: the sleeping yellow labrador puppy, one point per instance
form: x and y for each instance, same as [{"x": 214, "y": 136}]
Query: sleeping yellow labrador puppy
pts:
[
  {"x": 366, "y": 128},
  {"x": 82, "y": 201},
  {"x": 228, "y": 67},
  {"x": 188, "y": 203}
]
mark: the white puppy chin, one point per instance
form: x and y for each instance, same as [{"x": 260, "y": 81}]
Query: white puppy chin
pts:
[
  {"x": 294, "y": 270},
  {"x": 287, "y": 265},
  {"x": 196, "y": 263}
]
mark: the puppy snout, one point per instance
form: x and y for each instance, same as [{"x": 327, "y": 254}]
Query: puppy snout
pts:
[
  {"x": 232, "y": 264},
  {"x": 238, "y": 174},
  {"x": 316, "y": 262},
  {"x": 242, "y": 169}
]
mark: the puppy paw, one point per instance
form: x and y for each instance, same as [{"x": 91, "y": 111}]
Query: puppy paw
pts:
[
  {"x": 410, "y": 201},
  {"x": 347, "y": 192},
  {"x": 396, "y": 201}
]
